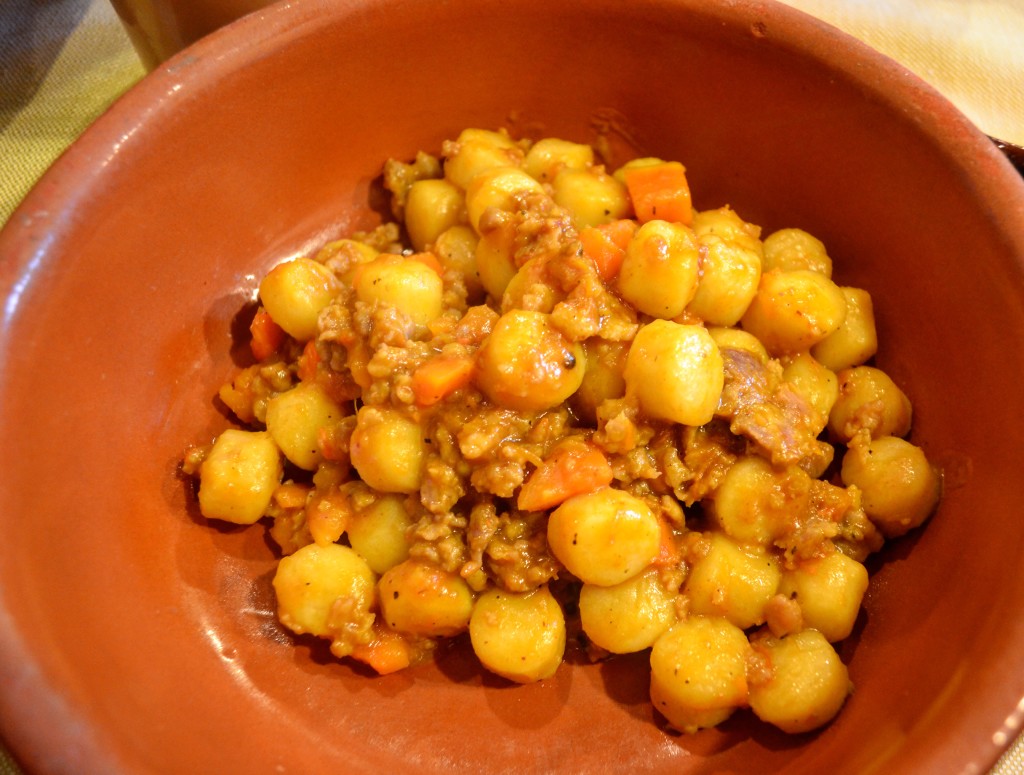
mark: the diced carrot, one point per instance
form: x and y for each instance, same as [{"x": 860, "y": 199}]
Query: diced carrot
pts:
[
  {"x": 333, "y": 443},
  {"x": 476, "y": 325},
  {"x": 291, "y": 495},
  {"x": 430, "y": 260},
  {"x": 620, "y": 232},
  {"x": 308, "y": 361},
  {"x": 440, "y": 377},
  {"x": 387, "y": 653},
  {"x": 358, "y": 361},
  {"x": 327, "y": 516},
  {"x": 267, "y": 335},
  {"x": 668, "y": 550},
  {"x": 606, "y": 245},
  {"x": 355, "y": 273},
  {"x": 338, "y": 385},
  {"x": 572, "y": 468},
  {"x": 660, "y": 192},
  {"x": 442, "y": 325}
]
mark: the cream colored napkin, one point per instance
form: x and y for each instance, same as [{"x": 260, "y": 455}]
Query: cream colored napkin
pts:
[{"x": 970, "y": 50}]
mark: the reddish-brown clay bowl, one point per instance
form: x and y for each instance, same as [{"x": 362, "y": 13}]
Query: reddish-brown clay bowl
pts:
[{"x": 135, "y": 638}]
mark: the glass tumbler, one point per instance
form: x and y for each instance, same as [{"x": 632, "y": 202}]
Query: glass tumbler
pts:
[{"x": 160, "y": 28}]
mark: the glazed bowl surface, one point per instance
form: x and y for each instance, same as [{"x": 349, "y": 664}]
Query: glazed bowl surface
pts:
[{"x": 137, "y": 638}]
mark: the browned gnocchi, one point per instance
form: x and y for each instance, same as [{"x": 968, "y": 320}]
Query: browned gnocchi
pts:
[{"x": 561, "y": 406}]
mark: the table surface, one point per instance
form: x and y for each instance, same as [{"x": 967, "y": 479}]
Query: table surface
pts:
[{"x": 63, "y": 62}]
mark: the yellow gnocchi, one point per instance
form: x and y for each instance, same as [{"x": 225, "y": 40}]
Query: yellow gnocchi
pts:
[
  {"x": 699, "y": 672},
  {"x": 561, "y": 409},
  {"x": 804, "y": 683},
  {"x": 519, "y": 636},
  {"x": 604, "y": 537}
]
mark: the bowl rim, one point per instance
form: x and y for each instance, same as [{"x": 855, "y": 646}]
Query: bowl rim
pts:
[{"x": 35, "y": 717}]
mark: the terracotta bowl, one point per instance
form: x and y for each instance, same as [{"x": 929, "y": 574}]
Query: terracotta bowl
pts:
[{"x": 136, "y": 638}]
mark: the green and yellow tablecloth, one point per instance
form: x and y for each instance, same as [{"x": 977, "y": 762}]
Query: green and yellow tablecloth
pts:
[{"x": 62, "y": 63}]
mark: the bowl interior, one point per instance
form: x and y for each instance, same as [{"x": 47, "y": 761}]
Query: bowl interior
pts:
[{"x": 137, "y": 638}]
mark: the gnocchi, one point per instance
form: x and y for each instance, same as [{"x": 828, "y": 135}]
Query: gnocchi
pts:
[{"x": 560, "y": 406}]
